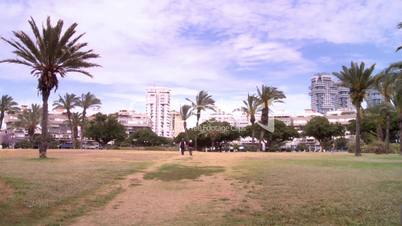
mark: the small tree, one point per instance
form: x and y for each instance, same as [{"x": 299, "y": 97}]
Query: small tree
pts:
[
  {"x": 7, "y": 105},
  {"x": 105, "y": 128},
  {"x": 146, "y": 137},
  {"x": 321, "y": 129},
  {"x": 30, "y": 119}
]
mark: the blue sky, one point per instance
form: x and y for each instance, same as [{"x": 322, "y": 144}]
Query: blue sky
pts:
[{"x": 225, "y": 47}]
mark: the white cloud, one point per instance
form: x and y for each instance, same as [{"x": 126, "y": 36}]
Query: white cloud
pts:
[{"x": 191, "y": 45}]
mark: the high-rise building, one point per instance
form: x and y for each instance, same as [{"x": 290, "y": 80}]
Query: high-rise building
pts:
[
  {"x": 158, "y": 110},
  {"x": 373, "y": 98},
  {"x": 328, "y": 95},
  {"x": 177, "y": 124}
]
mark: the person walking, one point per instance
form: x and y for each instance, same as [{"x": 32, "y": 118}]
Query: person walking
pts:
[
  {"x": 190, "y": 147},
  {"x": 182, "y": 146}
]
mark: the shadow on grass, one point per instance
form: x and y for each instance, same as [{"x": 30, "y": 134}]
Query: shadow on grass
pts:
[{"x": 171, "y": 172}]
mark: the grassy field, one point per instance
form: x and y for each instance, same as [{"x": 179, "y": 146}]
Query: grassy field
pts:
[{"x": 163, "y": 188}]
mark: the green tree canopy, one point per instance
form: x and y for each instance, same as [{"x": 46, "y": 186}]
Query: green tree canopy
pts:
[
  {"x": 105, "y": 128},
  {"x": 322, "y": 130},
  {"x": 146, "y": 137}
]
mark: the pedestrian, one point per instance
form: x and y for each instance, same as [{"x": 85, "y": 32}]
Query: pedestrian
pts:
[
  {"x": 190, "y": 147},
  {"x": 182, "y": 146}
]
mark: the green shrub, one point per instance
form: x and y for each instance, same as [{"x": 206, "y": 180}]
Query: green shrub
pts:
[{"x": 377, "y": 147}]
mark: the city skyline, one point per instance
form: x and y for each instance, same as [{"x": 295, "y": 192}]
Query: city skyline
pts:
[{"x": 253, "y": 43}]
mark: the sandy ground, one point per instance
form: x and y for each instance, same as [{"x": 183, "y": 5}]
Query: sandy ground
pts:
[
  {"x": 154, "y": 202},
  {"x": 6, "y": 191}
]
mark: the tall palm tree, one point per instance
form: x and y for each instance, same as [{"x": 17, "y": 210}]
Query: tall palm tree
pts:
[
  {"x": 384, "y": 83},
  {"x": 358, "y": 79},
  {"x": 267, "y": 95},
  {"x": 185, "y": 113},
  {"x": 203, "y": 101},
  {"x": 87, "y": 101},
  {"x": 68, "y": 102},
  {"x": 30, "y": 119},
  {"x": 7, "y": 105},
  {"x": 250, "y": 108},
  {"x": 51, "y": 55}
]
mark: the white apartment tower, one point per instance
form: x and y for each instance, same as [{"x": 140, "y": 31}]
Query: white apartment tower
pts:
[
  {"x": 158, "y": 110},
  {"x": 327, "y": 94}
]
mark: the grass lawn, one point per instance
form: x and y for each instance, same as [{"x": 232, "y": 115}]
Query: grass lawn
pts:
[{"x": 88, "y": 188}]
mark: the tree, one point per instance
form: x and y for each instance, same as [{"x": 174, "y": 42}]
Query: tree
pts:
[
  {"x": 250, "y": 108},
  {"x": 185, "y": 113},
  {"x": 203, "y": 101},
  {"x": 146, "y": 137},
  {"x": 30, "y": 119},
  {"x": 51, "y": 55},
  {"x": 105, "y": 128},
  {"x": 267, "y": 95},
  {"x": 358, "y": 79},
  {"x": 321, "y": 129},
  {"x": 87, "y": 100},
  {"x": 212, "y": 131},
  {"x": 75, "y": 123},
  {"x": 7, "y": 105},
  {"x": 397, "y": 100},
  {"x": 384, "y": 82},
  {"x": 68, "y": 102}
]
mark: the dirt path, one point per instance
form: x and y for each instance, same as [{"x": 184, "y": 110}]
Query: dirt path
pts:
[{"x": 154, "y": 202}]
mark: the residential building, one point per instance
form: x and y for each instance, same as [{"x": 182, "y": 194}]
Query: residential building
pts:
[
  {"x": 328, "y": 95},
  {"x": 133, "y": 121},
  {"x": 373, "y": 98},
  {"x": 177, "y": 124},
  {"x": 158, "y": 110}
]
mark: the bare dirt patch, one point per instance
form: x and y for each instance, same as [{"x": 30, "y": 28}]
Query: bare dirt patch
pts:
[{"x": 5, "y": 191}]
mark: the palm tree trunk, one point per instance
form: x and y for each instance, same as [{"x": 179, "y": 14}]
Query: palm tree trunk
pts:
[
  {"x": 252, "y": 133},
  {"x": 196, "y": 130},
  {"x": 400, "y": 133},
  {"x": 82, "y": 127},
  {"x": 185, "y": 130},
  {"x": 45, "y": 113},
  {"x": 387, "y": 128},
  {"x": 264, "y": 121},
  {"x": 1, "y": 119},
  {"x": 357, "y": 143}
]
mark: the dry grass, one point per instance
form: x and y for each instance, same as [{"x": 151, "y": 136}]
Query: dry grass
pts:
[
  {"x": 91, "y": 188},
  {"x": 63, "y": 186}
]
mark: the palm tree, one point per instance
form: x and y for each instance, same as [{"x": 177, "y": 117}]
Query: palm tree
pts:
[
  {"x": 203, "y": 101},
  {"x": 384, "y": 83},
  {"x": 267, "y": 95},
  {"x": 400, "y": 27},
  {"x": 75, "y": 122},
  {"x": 397, "y": 101},
  {"x": 358, "y": 79},
  {"x": 7, "y": 105},
  {"x": 250, "y": 108},
  {"x": 88, "y": 100},
  {"x": 30, "y": 119},
  {"x": 51, "y": 55},
  {"x": 68, "y": 102},
  {"x": 185, "y": 113}
]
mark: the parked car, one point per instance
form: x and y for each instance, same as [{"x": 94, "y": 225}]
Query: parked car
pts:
[
  {"x": 91, "y": 145},
  {"x": 67, "y": 145}
]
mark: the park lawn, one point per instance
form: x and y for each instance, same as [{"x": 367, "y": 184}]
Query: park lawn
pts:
[
  {"x": 206, "y": 189},
  {"x": 328, "y": 190},
  {"x": 307, "y": 189},
  {"x": 68, "y": 184}
]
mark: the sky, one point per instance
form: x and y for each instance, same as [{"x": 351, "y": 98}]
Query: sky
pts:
[{"x": 225, "y": 47}]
